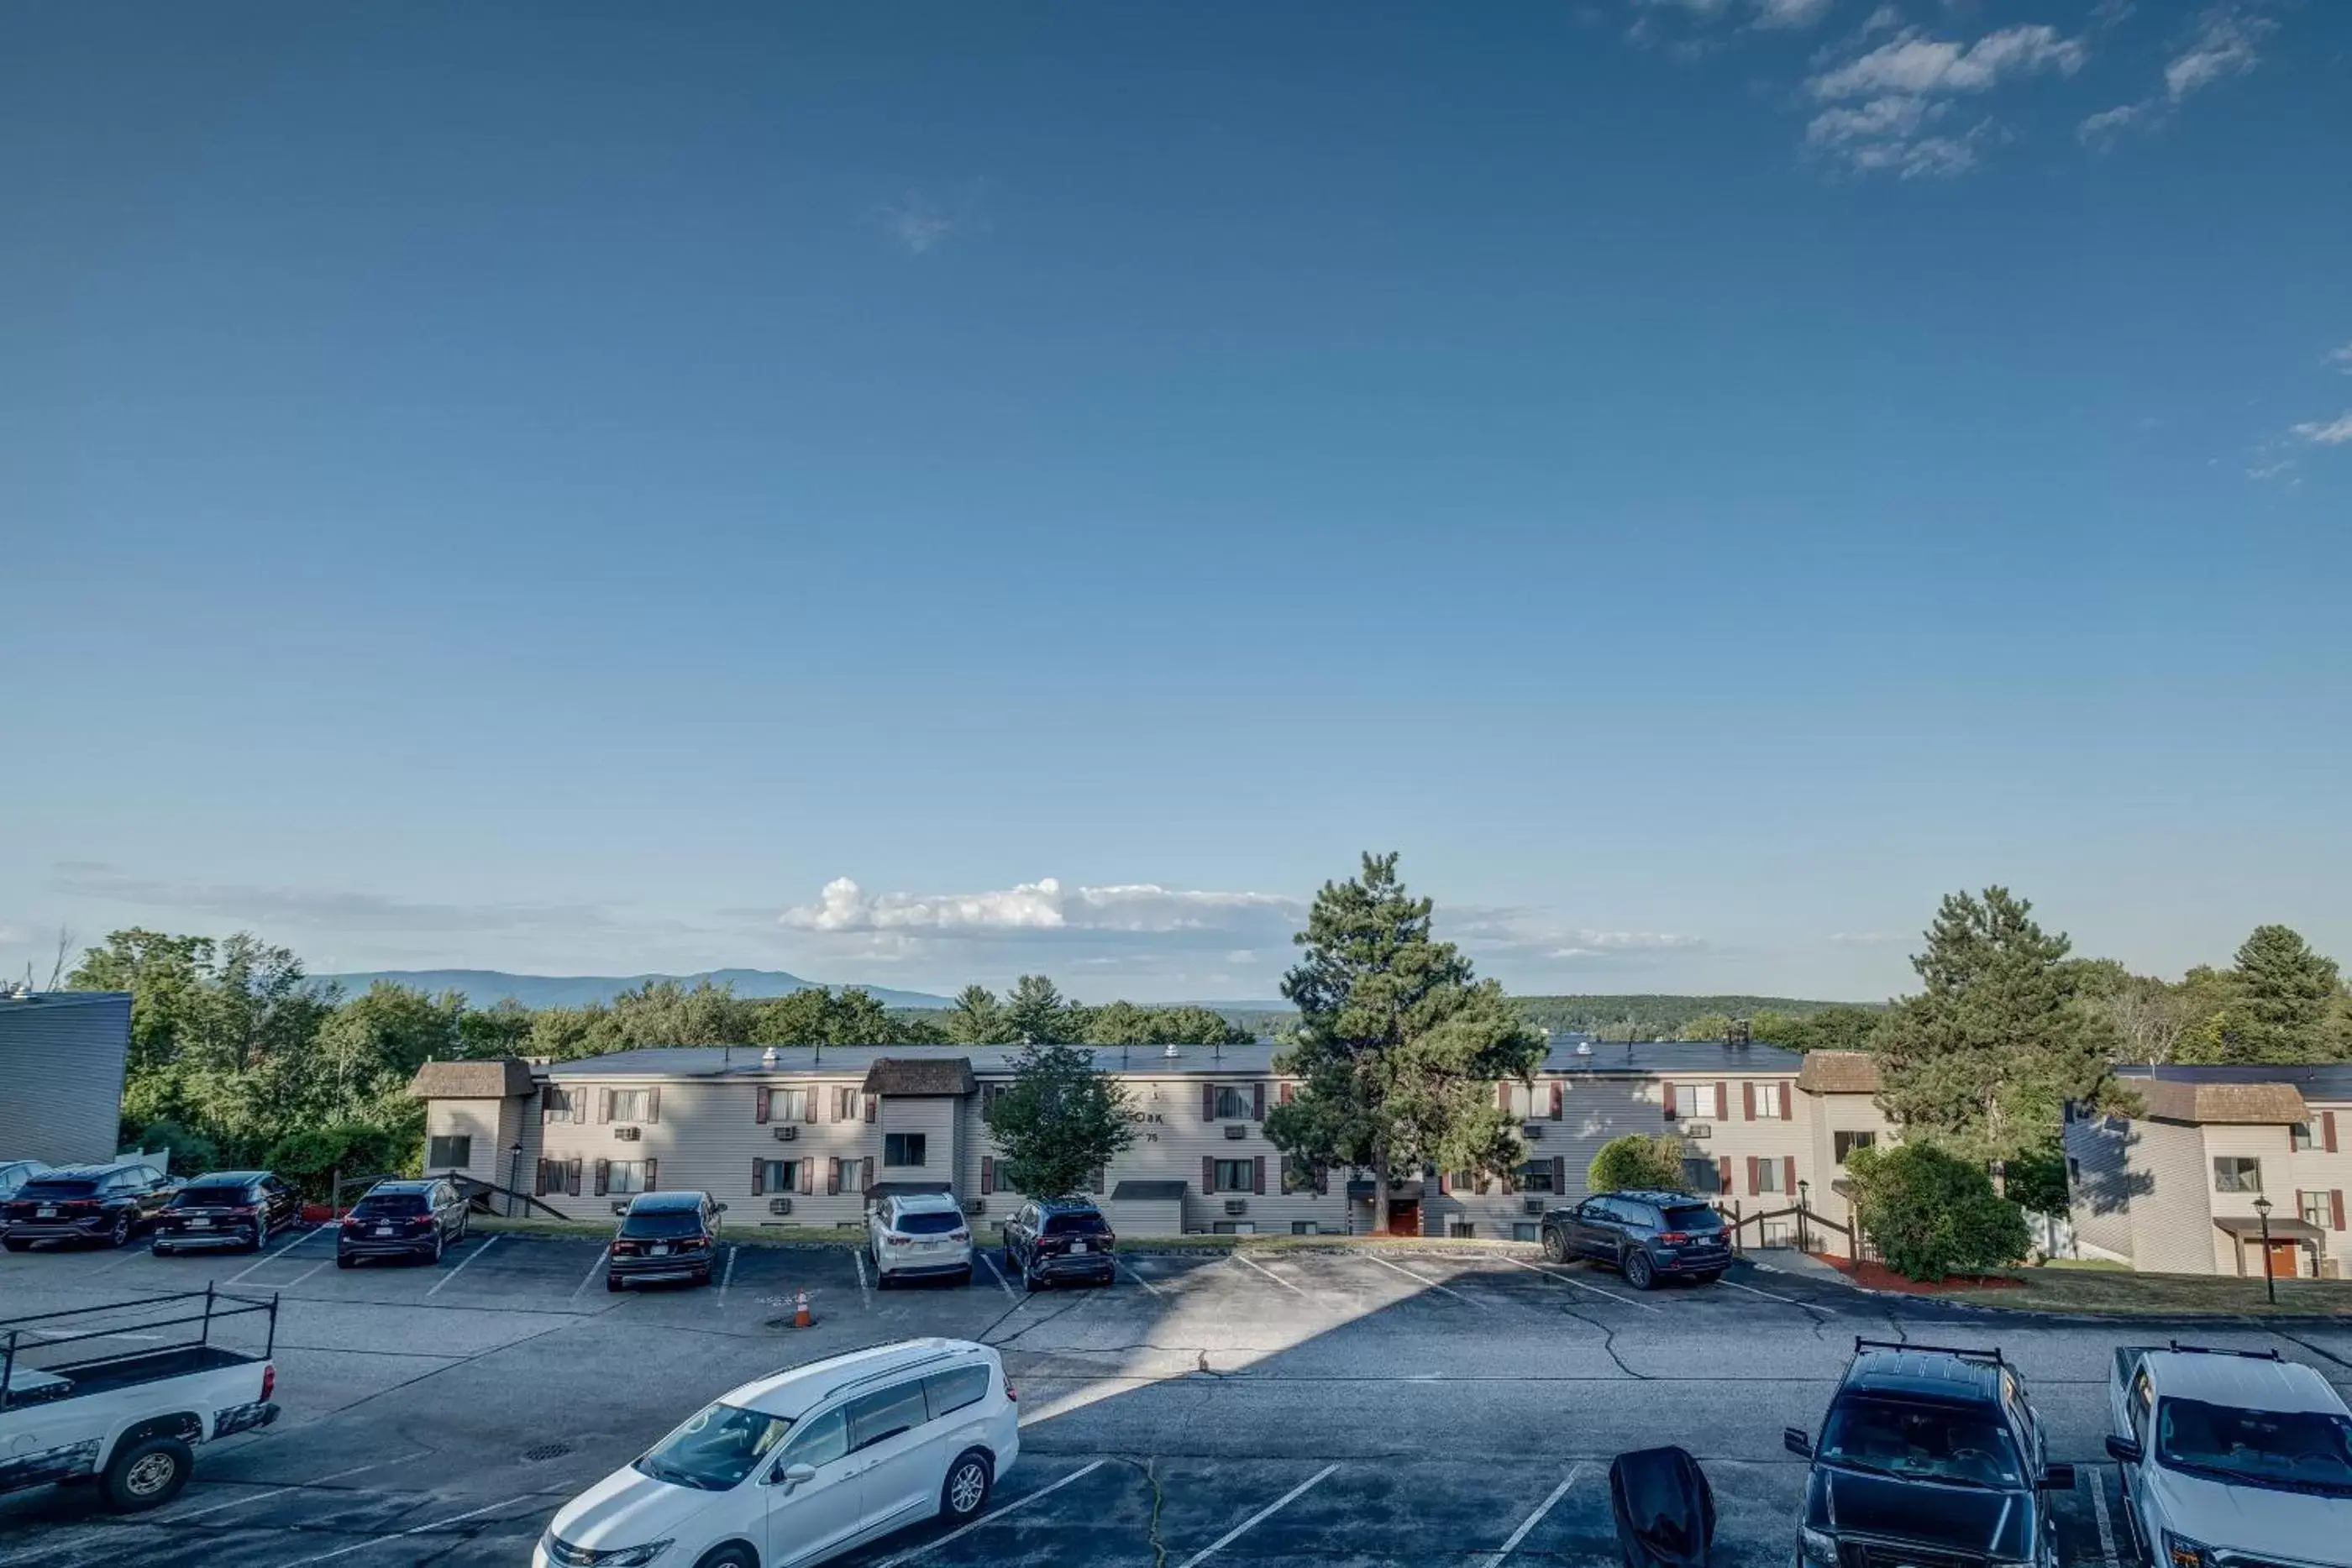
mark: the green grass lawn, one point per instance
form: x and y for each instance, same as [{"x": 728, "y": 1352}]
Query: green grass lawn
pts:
[{"x": 2116, "y": 1291}]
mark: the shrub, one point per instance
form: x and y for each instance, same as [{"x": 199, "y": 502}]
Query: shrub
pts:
[
  {"x": 1636, "y": 1161},
  {"x": 189, "y": 1152},
  {"x": 1932, "y": 1213},
  {"x": 311, "y": 1158}
]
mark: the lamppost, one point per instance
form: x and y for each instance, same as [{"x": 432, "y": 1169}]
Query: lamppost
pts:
[
  {"x": 2270, "y": 1281},
  {"x": 1804, "y": 1203}
]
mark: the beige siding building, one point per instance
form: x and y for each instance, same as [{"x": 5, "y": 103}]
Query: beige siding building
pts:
[{"x": 2174, "y": 1188}]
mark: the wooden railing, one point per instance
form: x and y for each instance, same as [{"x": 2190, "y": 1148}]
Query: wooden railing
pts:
[{"x": 1810, "y": 1227}]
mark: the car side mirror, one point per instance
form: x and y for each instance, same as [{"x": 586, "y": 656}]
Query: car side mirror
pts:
[
  {"x": 1793, "y": 1438},
  {"x": 719, "y": 1207},
  {"x": 792, "y": 1476},
  {"x": 2057, "y": 1478},
  {"x": 2124, "y": 1451}
]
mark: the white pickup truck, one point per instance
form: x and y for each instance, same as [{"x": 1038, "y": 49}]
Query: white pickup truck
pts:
[
  {"x": 122, "y": 1394},
  {"x": 2231, "y": 1458}
]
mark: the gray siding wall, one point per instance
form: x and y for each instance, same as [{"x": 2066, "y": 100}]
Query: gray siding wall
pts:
[
  {"x": 61, "y": 1078},
  {"x": 2100, "y": 1193},
  {"x": 2172, "y": 1212}
]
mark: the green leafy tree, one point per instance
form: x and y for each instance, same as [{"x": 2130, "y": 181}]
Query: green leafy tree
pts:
[
  {"x": 312, "y": 1157},
  {"x": 1636, "y": 1160},
  {"x": 1933, "y": 1213},
  {"x": 1124, "y": 1023},
  {"x": 1397, "y": 1046},
  {"x": 1035, "y": 1009},
  {"x": 501, "y": 1030},
  {"x": 2278, "y": 1004},
  {"x": 977, "y": 1018},
  {"x": 1999, "y": 1037},
  {"x": 1059, "y": 1120},
  {"x": 1705, "y": 1026},
  {"x": 1839, "y": 1027}
]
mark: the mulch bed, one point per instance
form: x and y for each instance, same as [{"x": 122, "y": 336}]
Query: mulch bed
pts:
[{"x": 1879, "y": 1277}]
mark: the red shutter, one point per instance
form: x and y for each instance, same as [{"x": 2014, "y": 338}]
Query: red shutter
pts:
[
  {"x": 1556, "y": 1098},
  {"x": 1748, "y": 1100},
  {"x": 1287, "y": 1090},
  {"x": 2328, "y": 1130},
  {"x": 759, "y": 1103},
  {"x": 572, "y": 1179},
  {"x": 1502, "y": 1096},
  {"x": 833, "y": 1176},
  {"x": 1558, "y": 1175},
  {"x": 1208, "y": 1102},
  {"x": 873, "y": 1103},
  {"x": 1257, "y": 1174},
  {"x": 603, "y": 1177},
  {"x": 1208, "y": 1174},
  {"x": 1752, "y": 1188},
  {"x": 1444, "y": 1184},
  {"x": 808, "y": 1112},
  {"x": 1723, "y": 1100},
  {"x": 653, "y": 1104},
  {"x": 1257, "y": 1106},
  {"x": 1789, "y": 1175},
  {"x": 1788, "y": 1101},
  {"x": 760, "y": 1171},
  {"x": 1723, "y": 1175},
  {"x": 808, "y": 1176},
  {"x": 653, "y": 1175},
  {"x": 1669, "y": 1091},
  {"x": 987, "y": 1175},
  {"x": 2336, "y": 1211}
]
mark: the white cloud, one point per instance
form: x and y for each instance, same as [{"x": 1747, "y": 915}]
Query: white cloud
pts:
[
  {"x": 1862, "y": 939},
  {"x": 2225, "y": 46},
  {"x": 2110, "y": 123},
  {"x": 1041, "y": 906},
  {"x": 919, "y": 223},
  {"x": 2333, "y": 433},
  {"x": 1886, "y": 19},
  {"x": 1914, "y": 63},
  {"x": 325, "y": 908},
  {"x": 2342, "y": 357},
  {"x": 1791, "y": 14}
]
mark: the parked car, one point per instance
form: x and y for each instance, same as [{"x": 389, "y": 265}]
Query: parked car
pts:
[
  {"x": 75, "y": 1406},
  {"x": 665, "y": 1236},
  {"x": 1049, "y": 1239},
  {"x": 108, "y": 1204},
  {"x": 919, "y": 1236},
  {"x": 2230, "y": 1457},
  {"x": 1647, "y": 1236},
  {"x": 805, "y": 1465},
  {"x": 403, "y": 1219},
  {"x": 227, "y": 1208},
  {"x": 15, "y": 1174},
  {"x": 1928, "y": 1454}
]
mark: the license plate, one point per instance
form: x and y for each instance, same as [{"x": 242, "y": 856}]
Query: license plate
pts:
[
  {"x": 1078, "y": 1246},
  {"x": 200, "y": 1225},
  {"x": 383, "y": 1231},
  {"x": 661, "y": 1251},
  {"x": 45, "y": 1212}
]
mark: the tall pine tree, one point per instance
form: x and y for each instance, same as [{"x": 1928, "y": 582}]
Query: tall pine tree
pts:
[{"x": 1399, "y": 1046}]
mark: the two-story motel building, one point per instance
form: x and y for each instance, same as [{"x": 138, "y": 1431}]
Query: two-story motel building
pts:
[{"x": 795, "y": 1135}]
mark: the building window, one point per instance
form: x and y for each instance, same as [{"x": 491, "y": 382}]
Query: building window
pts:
[
  {"x": 2236, "y": 1173},
  {"x": 1298, "y": 1176},
  {"x": 780, "y": 1176},
  {"x": 1233, "y": 1105},
  {"x": 1768, "y": 1100},
  {"x": 902, "y": 1148},
  {"x": 1767, "y": 1175},
  {"x": 1462, "y": 1228},
  {"x": 844, "y": 1104},
  {"x": 453, "y": 1149},
  {"x": 557, "y": 1104},
  {"x": 1695, "y": 1101},
  {"x": 1305, "y": 1227},
  {"x": 788, "y": 1104},
  {"x": 625, "y": 1177},
  {"x": 1702, "y": 1174},
  {"x": 857, "y": 1176},
  {"x": 633, "y": 1104},
  {"x": 1844, "y": 1144},
  {"x": 2300, "y": 1134},
  {"x": 1524, "y": 1230},
  {"x": 1235, "y": 1175},
  {"x": 1533, "y": 1176},
  {"x": 2316, "y": 1210},
  {"x": 1460, "y": 1182},
  {"x": 1232, "y": 1228}
]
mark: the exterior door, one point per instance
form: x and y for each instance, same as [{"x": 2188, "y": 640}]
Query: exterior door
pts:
[
  {"x": 1404, "y": 1215},
  {"x": 2286, "y": 1259},
  {"x": 891, "y": 1433},
  {"x": 1596, "y": 1229},
  {"x": 807, "y": 1520}
]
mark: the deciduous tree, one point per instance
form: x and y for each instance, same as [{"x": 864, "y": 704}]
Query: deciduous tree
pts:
[{"x": 1059, "y": 1120}]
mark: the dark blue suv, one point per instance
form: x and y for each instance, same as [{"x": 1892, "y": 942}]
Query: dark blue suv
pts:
[
  {"x": 1049, "y": 1239},
  {"x": 1648, "y": 1236}
]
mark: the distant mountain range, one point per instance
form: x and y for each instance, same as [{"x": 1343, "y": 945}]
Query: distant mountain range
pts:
[{"x": 488, "y": 987}]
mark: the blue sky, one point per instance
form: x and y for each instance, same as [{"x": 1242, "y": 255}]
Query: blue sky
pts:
[{"x": 576, "y": 488}]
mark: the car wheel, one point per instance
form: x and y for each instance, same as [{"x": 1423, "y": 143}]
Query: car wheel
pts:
[
  {"x": 147, "y": 1474},
  {"x": 702, "y": 1276},
  {"x": 15, "y": 1244},
  {"x": 122, "y": 1231},
  {"x": 1710, "y": 1278},
  {"x": 159, "y": 1249},
  {"x": 1638, "y": 1273},
  {"x": 435, "y": 1256},
  {"x": 612, "y": 1282},
  {"x": 1555, "y": 1247},
  {"x": 344, "y": 1261},
  {"x": 1030, "y": 1282},
  {"x": 964, "y": 1278},
  {"x": 965, "y": 1491},
  {"x": 728, "y": 1557}
]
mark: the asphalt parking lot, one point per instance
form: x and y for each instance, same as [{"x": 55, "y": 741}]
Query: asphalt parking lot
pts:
[{"x": 1313, "y": 1408}]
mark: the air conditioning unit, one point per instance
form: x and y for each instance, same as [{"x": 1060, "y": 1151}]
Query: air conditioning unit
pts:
[
  {"x": 1236, "y": 1206},
  {"x": 1533, "y": 1132},
  {"x": 621, "y": 1206},
  {"x": 628, "y": 1134},
  {"x": 788, "y": 1131},
  {"x": 976, "y": 1206},
  {"x": 1537, "y": 1204},
  {"x": 779, "y": 1205},
  {"x": 1237, "y": 1129}
]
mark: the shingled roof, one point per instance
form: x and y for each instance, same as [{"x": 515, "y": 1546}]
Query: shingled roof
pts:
[
  {"x": 495, "y": 1079},
  {"x": 2224, "y": 1104},
  {"x": 1838, "y": 1072},
  {"x": 922, "y": 1075}
]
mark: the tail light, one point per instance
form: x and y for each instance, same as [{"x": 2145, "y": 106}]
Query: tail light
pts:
[
  {"x": 1673, "y": 1238},
  {"x": 269, "y": 1379},
  {"x": 895, "y": 1240},
  {"x": 959, "y": 1235},
  {"x": 1008, "y": 1392},
  {"x": 625, "y": 1248},
  {"x": 352, "y": 1222}
]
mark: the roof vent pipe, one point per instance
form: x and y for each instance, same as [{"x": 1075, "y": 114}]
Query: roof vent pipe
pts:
[
  {"x": 768, "y": 1057},
  {"x": 1171, "y": 1053}
]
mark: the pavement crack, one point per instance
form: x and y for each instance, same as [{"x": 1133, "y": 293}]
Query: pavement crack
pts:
[{"x": 1609, "y": 1343}]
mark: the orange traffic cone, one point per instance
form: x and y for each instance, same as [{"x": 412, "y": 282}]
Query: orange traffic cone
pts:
[{"x": 801, "y": 1318}]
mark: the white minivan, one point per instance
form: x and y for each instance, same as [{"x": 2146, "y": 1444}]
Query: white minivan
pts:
[{"x": 803, "y": 1466}]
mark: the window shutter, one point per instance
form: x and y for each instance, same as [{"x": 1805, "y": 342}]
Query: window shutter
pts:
[
  {"x": 832, "y": 1178},
  {"x": 808, "y": 1177},
  {"x": 1257, "y": 1176},
  {"x": 1208, "y": 1174},
  {"x": 1257, "y": 1105},
  {"x": 1747, "y": 1101},
  {"x": 604, "y": 1105},
  {"x": 2336, "y": 1211},
  {"x": 759, "y": 1103},
  {"x": 539, "y": 1180},
  {"x": 572, "y": 1179},
  {"x": 1788, "y": 1101},
  {"x": 1559, "y": 1175},
  {"x": 808, "y": 1104},
  {"x": 987, "y": 1175},
  {"x": 653, "y": 1104},
  {"x": 871, "y": 1101},
  {"x": 1723, "y": 1174},
  {"x": 1752, "y": 1188},
  {"x": 1723, "y": 1100},
  {"x": 1208, "y": 1102},
  {"x": 1101, "y": 1177},
  {"x": 1789, "y": 1175},
  {"x": 1503, "y": 1096},
  {"x": 1668, "y": 1090},
  {"x": 1558, "y": 1097},
  {"x": 603, "y": 1177},
  {"x": 759, "y": 1178},
  {"x": 653, "y": 1175},
  {"x": 1287, "y": 1090},
  {"x": 2328, "y": 1130},
  {"x": 1444, "y": 1184}
]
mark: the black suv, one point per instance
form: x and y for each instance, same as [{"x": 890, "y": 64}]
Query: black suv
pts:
[
  {"x": 665, "y": 1236},
  {"x": 1647, "y": 1235},
  {"x": 108, "y": 1204},
  {"x": 1053, "y": 1238},
  {"x": 1930, "y": 1458},
  {"x": 227, "y": 1208},
  {"x": 403, "y": 1219}
]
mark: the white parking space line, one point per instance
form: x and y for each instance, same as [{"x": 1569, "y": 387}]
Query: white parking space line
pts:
[
  {"x": 1272, "y": 1275},
  {"x": 290, "y": 1284},
  {"x": 992, "y": 1268},
  {"x": 1570, "y": 1280},
  {"x": 1417, "y": 1278},
  {"x": 1754, "y": 1291},
  {"x": 466, "y": 1264},
  {"x": 1134, "y": 1274},
  {"x": 865, "y": 1296},
  {"x": 405, "y": 1534},
  {"x": 1534, "y": 1519},
  {"x": 131, "y": 1255},
  {"x": 1268, "y": 1511},
  {"x": 310, "y": 1235},
  {"x": 726, "y": 1278},
  {"x": 984, "y": 1518},
  {"x": 590, "y": 1277},
  {"x": 296, "y": 1486},
  {"x": 2099, "y": 1513}
]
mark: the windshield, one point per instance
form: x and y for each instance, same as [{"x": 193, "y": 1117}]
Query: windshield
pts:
[
  {"x": 1075, "y": 1225},
  {"x": 663, "y": 1222},
  {"x": 716, "y": 1447},
  {"x": 209, "y": 1198},
  {"x": 377, "y": 1204},
  {"x": 33, "y": 1191},
  {"x": 928, "y": 1223},
  {"x": 1695, "y": 1218},
  {"x": 1921, "y": 1441},
  {"x": 2291, "y": 1449}
]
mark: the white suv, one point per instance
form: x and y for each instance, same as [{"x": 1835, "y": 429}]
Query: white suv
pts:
[
  {"x": 801, "y": 1467},
  {"x": 919, "y": 1234},
  {"x": 2230, "y": 1457}
]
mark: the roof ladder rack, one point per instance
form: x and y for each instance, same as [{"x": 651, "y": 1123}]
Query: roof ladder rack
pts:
[{"x": 1992, "y": 1355}]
